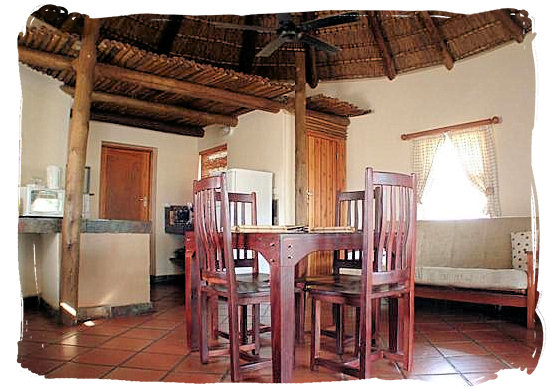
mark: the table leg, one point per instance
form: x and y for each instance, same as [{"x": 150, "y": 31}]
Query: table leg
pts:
[
  {"x": 282, "y": 322},
  {"x": 192, "y": 304}
]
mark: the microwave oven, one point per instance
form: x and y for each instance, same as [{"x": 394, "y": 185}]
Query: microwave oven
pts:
[{"x": 41, "y": 202}]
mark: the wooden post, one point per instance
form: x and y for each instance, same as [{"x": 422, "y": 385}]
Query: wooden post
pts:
[
  {"x": 300, "y": 155},
  {"x": 74, "y": 180},
  {"x": 300, "y": 149}
]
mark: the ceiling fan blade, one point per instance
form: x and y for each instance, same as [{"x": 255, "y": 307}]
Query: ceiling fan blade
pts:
[
  {"x": 332, "y": 20},
  {"x": 243, "y": 27},
  {"x": 318, "y": 44},
  {"x": 271, "y": 47}
]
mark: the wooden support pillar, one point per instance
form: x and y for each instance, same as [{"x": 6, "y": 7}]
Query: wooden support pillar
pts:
[
  {"x": 300, "y": 148},
  {"x": 74, "y": 177}
]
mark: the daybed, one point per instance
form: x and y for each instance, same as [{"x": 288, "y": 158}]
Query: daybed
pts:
[{"x": 487, "y": 261}]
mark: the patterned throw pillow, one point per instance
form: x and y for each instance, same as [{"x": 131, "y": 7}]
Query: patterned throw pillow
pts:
[{"x": 521, "y": 244}]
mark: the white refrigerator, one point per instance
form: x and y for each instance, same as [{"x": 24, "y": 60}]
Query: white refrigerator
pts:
[{"x": 260, "y": 182}]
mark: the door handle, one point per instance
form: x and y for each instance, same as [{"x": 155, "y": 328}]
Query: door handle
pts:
[{"x": 143, "y": 200}]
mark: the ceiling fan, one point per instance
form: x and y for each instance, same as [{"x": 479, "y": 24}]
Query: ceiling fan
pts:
[{"x": 289, "y": 31}]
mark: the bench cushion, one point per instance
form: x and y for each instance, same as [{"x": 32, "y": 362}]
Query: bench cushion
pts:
[{"x": 478, "y": 278}]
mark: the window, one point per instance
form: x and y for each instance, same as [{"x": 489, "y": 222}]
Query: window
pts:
[
  {"x": 449, "y": 193},
  {"x": 213, "y": 161},
  {"x": 456, "y": 175}
]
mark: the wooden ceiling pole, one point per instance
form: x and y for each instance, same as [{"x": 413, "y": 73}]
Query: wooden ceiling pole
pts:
[
  {"x": 247, "y": 54},
  {"x": 205, "y": 118},
  {"x": 300, "y": 145},
  {"x": 147, "y": 80},
  {"x": 74, "y": 177},
  {"x": 438, "y": 39},
  {"x": 384, "y": 49}
]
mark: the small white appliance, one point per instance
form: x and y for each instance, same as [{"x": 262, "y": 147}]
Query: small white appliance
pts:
[
  {"x": 41, "y": 201},
  {"x": 260, "y": 182}
]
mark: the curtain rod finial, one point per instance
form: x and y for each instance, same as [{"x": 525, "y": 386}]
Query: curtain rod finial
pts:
[{"x": 495, "y": 120}]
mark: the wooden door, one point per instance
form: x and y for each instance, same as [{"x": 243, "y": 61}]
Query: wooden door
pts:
[
  {"x": 326, "y": 176},
  {"x": 125, "y": 183}
]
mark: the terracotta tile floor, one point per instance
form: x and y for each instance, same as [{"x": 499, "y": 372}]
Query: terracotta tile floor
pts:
[{"x": 454, "y": 344}]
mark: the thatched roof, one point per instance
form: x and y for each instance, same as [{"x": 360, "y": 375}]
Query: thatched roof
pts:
[
  {"x": 412, "y": 41},
  {"x": 199, "y": 51}
]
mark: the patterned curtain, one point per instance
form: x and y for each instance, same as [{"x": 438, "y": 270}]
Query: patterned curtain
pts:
[
  {"x": 424, "y": 150},
  {"x": 476, "y": 149}
]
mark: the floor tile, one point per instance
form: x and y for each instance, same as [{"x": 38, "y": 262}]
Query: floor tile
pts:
[
  {"x": 461, "y": 349},
  {"x": 102, "y": 356},
  {"x": 193, "y": 377},
  {"x": 126, "y": 344},
  {"x": 169, "y": 347},
  {"x": 153, "y": 361},
  {"x": 435, "y": 365},
  {"x": 435, "y": 336},
  {"x": 77, "y": 370},
  {"x": 40, "y": 366},
  {"x": 480, "y": 377},
  {"x": 192, "y": 363},
  {"x": 85, "y": 340},
  {"x": 468, "y": 364},
  {"x": 142, "y": 333},
  {"x": 59, "y": 352},
  {"x": 443, "y": 379},
  {"x": 136, "y": 374}
]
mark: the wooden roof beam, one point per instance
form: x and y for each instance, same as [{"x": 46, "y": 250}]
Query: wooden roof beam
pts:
[
  {"x": 436, "y": 37},
  {"x": 384, "y": 48},
  {"x": 146, "y": 123},
  {"x": 147, "y": 80},
  {"x": 201, "y": 117},
  {"x": 247, "y": 55},
  {"x": 509, "y": 24}
]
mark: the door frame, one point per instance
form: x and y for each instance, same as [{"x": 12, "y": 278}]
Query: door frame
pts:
[{"x": 152, "y": 191}]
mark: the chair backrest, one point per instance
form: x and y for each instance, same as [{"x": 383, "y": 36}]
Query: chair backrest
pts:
[
  {"x": 389, "y": 243},
  {"x": 349, "y": 212},
  {"x": 213, "y": 231},
  {"x": 242, "y": 211}
]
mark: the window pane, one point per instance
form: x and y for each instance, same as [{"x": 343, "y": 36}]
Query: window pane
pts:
[{"x": 449, "y": 194}]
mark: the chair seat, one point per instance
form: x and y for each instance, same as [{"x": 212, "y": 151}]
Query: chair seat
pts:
[
  {"x": 308, "y": 281},
  {"x": 249, "y": 277},
  {"x": 349, "y": 291},
  {"x": 251, "y": 289}
]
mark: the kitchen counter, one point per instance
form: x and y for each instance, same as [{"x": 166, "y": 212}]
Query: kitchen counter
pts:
[{"x": 53, "y": 225}]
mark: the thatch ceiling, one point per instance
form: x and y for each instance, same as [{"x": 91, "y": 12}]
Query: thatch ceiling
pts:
[
  {"x": 221, "y": 60},
  {"x": 381, "y": 43}
]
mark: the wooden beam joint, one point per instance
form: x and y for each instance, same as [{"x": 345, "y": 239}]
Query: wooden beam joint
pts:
[
  {"x": 436, "y": 38},
  {"x": 376, "y": 29}
]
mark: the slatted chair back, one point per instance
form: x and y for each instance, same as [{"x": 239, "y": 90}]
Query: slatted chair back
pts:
[
  {"x": 213, "y": 231},
  {"x": 392, "y": 223},
  {"x": 243, "y": 211},
  {"x": 349, "y": 212}
]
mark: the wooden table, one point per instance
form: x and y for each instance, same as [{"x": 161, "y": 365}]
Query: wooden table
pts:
[{"x": 282, "y": 251}]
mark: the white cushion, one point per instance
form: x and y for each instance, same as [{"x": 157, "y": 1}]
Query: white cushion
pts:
[
  {"x": 521, "y": 244},
  {"x": 486, "y": 279}
]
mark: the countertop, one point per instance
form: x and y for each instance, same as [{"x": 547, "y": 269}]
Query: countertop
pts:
[{"x": 53, "y": 225}]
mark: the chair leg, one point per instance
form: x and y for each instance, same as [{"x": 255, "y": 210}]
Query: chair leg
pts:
[
  {"x": 256, "y": 327},
  {"x": 233, "y": 313},
  {"x": 366, "y": 340},
  {"x": 357, "y": 325},
  {"x": 203, "y": 326},
  {"x": 408, "y": 331},
  {"x": 315, "y": 333},
  {"x": 393, "y": 323},
  {"x": 213, "y": 309},
  {"x": 300, "y": 315},
  {"x": 339, "y": 330},
  {"x": 243, "y": 309}
]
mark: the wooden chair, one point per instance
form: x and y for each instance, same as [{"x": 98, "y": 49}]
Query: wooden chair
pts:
[
  {"x": 243, "y": 211},
  {"x": 218, "y": 278},
  {"x": 387, "y": 272},
  {"x": 349, "y": 212}
]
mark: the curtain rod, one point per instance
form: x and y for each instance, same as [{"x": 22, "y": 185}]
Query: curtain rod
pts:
[{"x": 488, "y": 121}]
